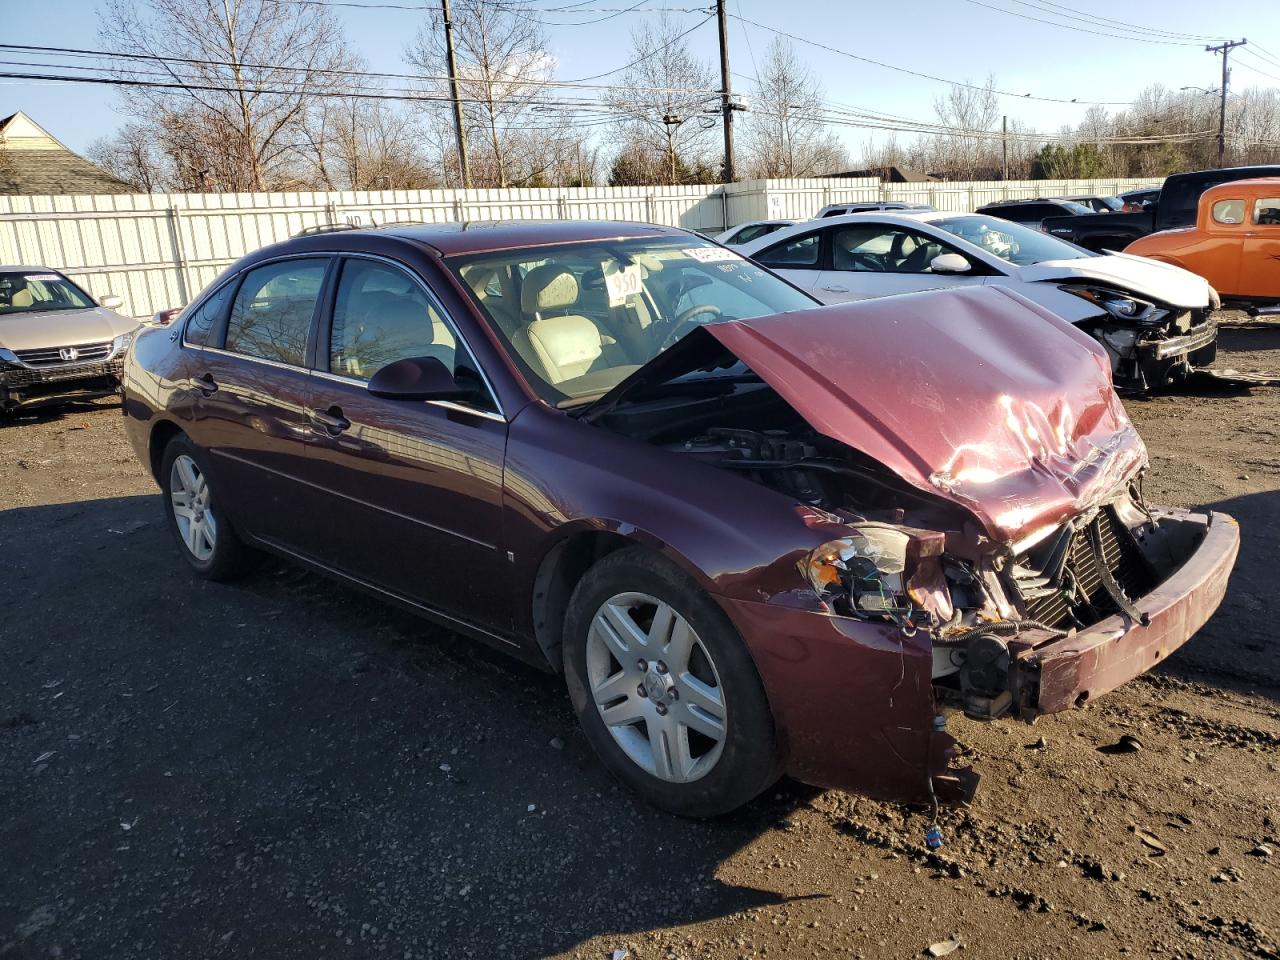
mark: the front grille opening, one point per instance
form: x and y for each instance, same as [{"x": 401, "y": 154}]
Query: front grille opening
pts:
[
  {"x": 1079, "y": 598},
  {"x": 58, "y": 356}
]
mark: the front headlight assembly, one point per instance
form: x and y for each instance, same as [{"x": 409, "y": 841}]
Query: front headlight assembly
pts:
[
  {"x": 883, "y": 572},
  {"x": 1122, "y": 306},
  {"x": 121, "y": 344}
]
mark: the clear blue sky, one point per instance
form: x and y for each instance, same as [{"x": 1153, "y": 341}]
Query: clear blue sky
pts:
[{"x": 954, "y": 39}]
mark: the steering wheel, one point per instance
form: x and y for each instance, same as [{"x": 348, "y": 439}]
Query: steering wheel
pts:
[{"x": 685, "y": 319}]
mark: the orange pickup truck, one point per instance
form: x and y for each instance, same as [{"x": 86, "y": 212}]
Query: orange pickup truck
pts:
[{"x": 1235, "y": 244}]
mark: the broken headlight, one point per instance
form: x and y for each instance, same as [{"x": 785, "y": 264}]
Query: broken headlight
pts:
[
  {"x": 880, "y": 571},
  {"x": 1120, "y": 305}
]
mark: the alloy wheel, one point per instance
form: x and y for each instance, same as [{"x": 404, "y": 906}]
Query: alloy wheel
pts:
[
  {"x": 656, "y": 687},
  {"x": 189, "y": 499}
]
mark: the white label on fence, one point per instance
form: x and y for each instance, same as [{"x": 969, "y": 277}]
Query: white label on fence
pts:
[
  {"x": 622, "y": 284},
  {"x": 710, "y": 254}
]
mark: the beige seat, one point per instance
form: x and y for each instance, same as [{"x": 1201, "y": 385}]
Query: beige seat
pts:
[
  {"x": 22, "y": 298},
  {"x": 556, "y": 343}
]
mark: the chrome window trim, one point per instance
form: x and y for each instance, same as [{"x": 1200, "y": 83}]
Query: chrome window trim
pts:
[
  {"x": 250, "y": 357},
  {"x": 444, "y": 315}
]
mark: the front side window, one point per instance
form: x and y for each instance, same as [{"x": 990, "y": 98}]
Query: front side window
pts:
[
  {"x": 799, "y": 253},
  {"x": 1010, "y": 241},
  {"x": 753, "y": 232},
  {"x": 381, "y": 315},
  {"x": 271, "y": 315},
  {"x": 1266, "y": 212},
  {"x": 22, "y": 292},
  {"x": 578, "y": 319},
  {"x": 881, "y": 248}
]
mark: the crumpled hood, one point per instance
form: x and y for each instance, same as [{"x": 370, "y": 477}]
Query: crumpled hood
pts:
[
  {"x": 973, "y": 394},
  {"x": 1150, "y": 279},
  {"x": 61, "y": 328}
]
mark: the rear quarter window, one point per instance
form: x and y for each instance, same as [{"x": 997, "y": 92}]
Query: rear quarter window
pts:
[{"x": 1228, "y": 211}]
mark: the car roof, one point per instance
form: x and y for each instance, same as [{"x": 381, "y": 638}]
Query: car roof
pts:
[
  {"x": 1018, "y": 200},
  {"x": 467, "y": 237},
  {"x": 26, "y": 268}
]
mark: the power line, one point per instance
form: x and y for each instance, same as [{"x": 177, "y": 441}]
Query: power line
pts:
[
  {"x": 1079, "y": 29},
  {"x": 1069, "y": 13},
  {"x": 922, "y": 75},
  {"x": 647, "y": 54}
]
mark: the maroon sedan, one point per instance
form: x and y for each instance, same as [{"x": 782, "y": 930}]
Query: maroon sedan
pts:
[{"x": 756, "y": 536}]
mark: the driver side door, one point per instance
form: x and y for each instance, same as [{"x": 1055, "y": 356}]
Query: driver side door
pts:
[{"x": 870, "y": 260}]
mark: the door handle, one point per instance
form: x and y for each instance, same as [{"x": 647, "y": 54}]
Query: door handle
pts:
[
  {"x": 206, "y": 384},
  {"x": 834, "y": 289},
  {"x": 331, "y": 421}
]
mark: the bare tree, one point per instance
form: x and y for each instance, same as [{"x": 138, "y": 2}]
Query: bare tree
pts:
[
  {"x": 785, "y": 136},
  {"x": 365, "y": 145},
  {"x": 969, "y": 111},
  {"x": 503, "y": 65},
  {"x": 244, "y": 72},
  {"x": 661, "y": 102},
  {"x": 133, "y": 155}
]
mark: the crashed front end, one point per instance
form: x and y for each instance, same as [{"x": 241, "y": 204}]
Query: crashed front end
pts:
[
  {"x": 972, "y": 488},
  {"x": 1150, "y": 344},
  {"x": 44, "y": 376}
]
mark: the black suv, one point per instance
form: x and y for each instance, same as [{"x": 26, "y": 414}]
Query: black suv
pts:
[{"x": 1031, "y": 212}]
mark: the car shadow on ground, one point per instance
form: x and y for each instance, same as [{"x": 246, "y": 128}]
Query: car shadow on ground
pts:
[
  {"x": 283, "y": 766},
  {"x": 1236, "y": 649},
  {"x": 52, "y": 414}
]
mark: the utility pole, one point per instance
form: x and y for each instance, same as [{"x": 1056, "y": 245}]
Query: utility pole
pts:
[
  {"x": 726, "y": 96},
  {"x": 1004, "y": 148},
  {"x": 453, "y": 93},
  {"x": 1224, "y": 49}
]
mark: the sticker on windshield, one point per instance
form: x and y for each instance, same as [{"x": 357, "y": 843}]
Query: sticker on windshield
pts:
[
  {"x": 622, "y": 284},
  {"x": 41, "y": 277},
  {"x": 710, "y": 254}
]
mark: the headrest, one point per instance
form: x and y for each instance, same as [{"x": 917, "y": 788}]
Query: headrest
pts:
[
  {"x": 548, "y": 287},
  {"x": 478, "y": 277}
]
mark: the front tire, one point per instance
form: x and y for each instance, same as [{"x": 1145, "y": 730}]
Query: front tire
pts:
[
  {"x": 665, "y": 689},
  {"x": 195, "y": 517}
]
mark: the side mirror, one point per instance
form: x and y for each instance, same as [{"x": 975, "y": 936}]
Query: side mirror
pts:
[
  {"x": 950, "y": 263},
  {"x": 111, "y": 302},
  {"x": 418, "y": 378},
  {"x": 166, "y": 317}
]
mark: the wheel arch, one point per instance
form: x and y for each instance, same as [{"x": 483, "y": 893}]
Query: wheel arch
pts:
[
  {"x": 161, "y": 433},
  {"x": 566, "y": 560}
]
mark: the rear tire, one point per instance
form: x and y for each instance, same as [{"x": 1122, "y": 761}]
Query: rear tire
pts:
[
  {"x": 195, "y": 518},
  {"x": 688, "y": 725}
]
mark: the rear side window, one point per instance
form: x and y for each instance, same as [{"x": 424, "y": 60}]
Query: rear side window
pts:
[
  {"x": 1229, "y": 211},
  {"x": 795, "y": 254},
  {"x": 1266, "y": 212},
  {"x": 203, "y": 327},
  {"x": 271, "y": 315},
  {"x": 382, "y": 315}
]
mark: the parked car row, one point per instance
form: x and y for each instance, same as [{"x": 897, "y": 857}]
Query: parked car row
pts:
[{"x": 754, "y": 534}]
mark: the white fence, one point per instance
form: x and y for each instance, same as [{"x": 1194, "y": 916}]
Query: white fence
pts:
[{"x": 159, "y": 250}]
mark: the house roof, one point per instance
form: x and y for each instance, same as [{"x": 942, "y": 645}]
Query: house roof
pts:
[{"x": 33, "y": 161}]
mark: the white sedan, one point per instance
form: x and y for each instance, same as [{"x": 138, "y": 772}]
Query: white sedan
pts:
[{"x": 1154, "y": 319}]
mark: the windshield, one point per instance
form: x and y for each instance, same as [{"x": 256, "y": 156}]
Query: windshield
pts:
[
  {"x": 29, "y": 292},
  {"x": 578, "y": 319},
  {"x": 1010, "y": 241}
]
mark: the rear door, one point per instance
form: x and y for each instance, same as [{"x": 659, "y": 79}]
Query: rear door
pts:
[
  {"x": 248, "y": 388},
  {"x": 797, "y": 258},
  {"x": 410, "y": 491},
  {"x": 870, "y": 259},
  {"x": 1260, "y": 263}
]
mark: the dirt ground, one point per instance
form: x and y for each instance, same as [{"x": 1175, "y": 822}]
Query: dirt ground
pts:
[{"x": 281, "y": 767}]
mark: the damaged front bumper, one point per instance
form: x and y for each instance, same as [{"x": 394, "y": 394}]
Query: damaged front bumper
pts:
[
  {"x": 25, "y": 388},
  {"x": 1049, "y": 674},
  {"x": 857, "y": 707}
]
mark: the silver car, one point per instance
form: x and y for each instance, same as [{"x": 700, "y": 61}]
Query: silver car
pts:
[{"x": 57, "y": 344}]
